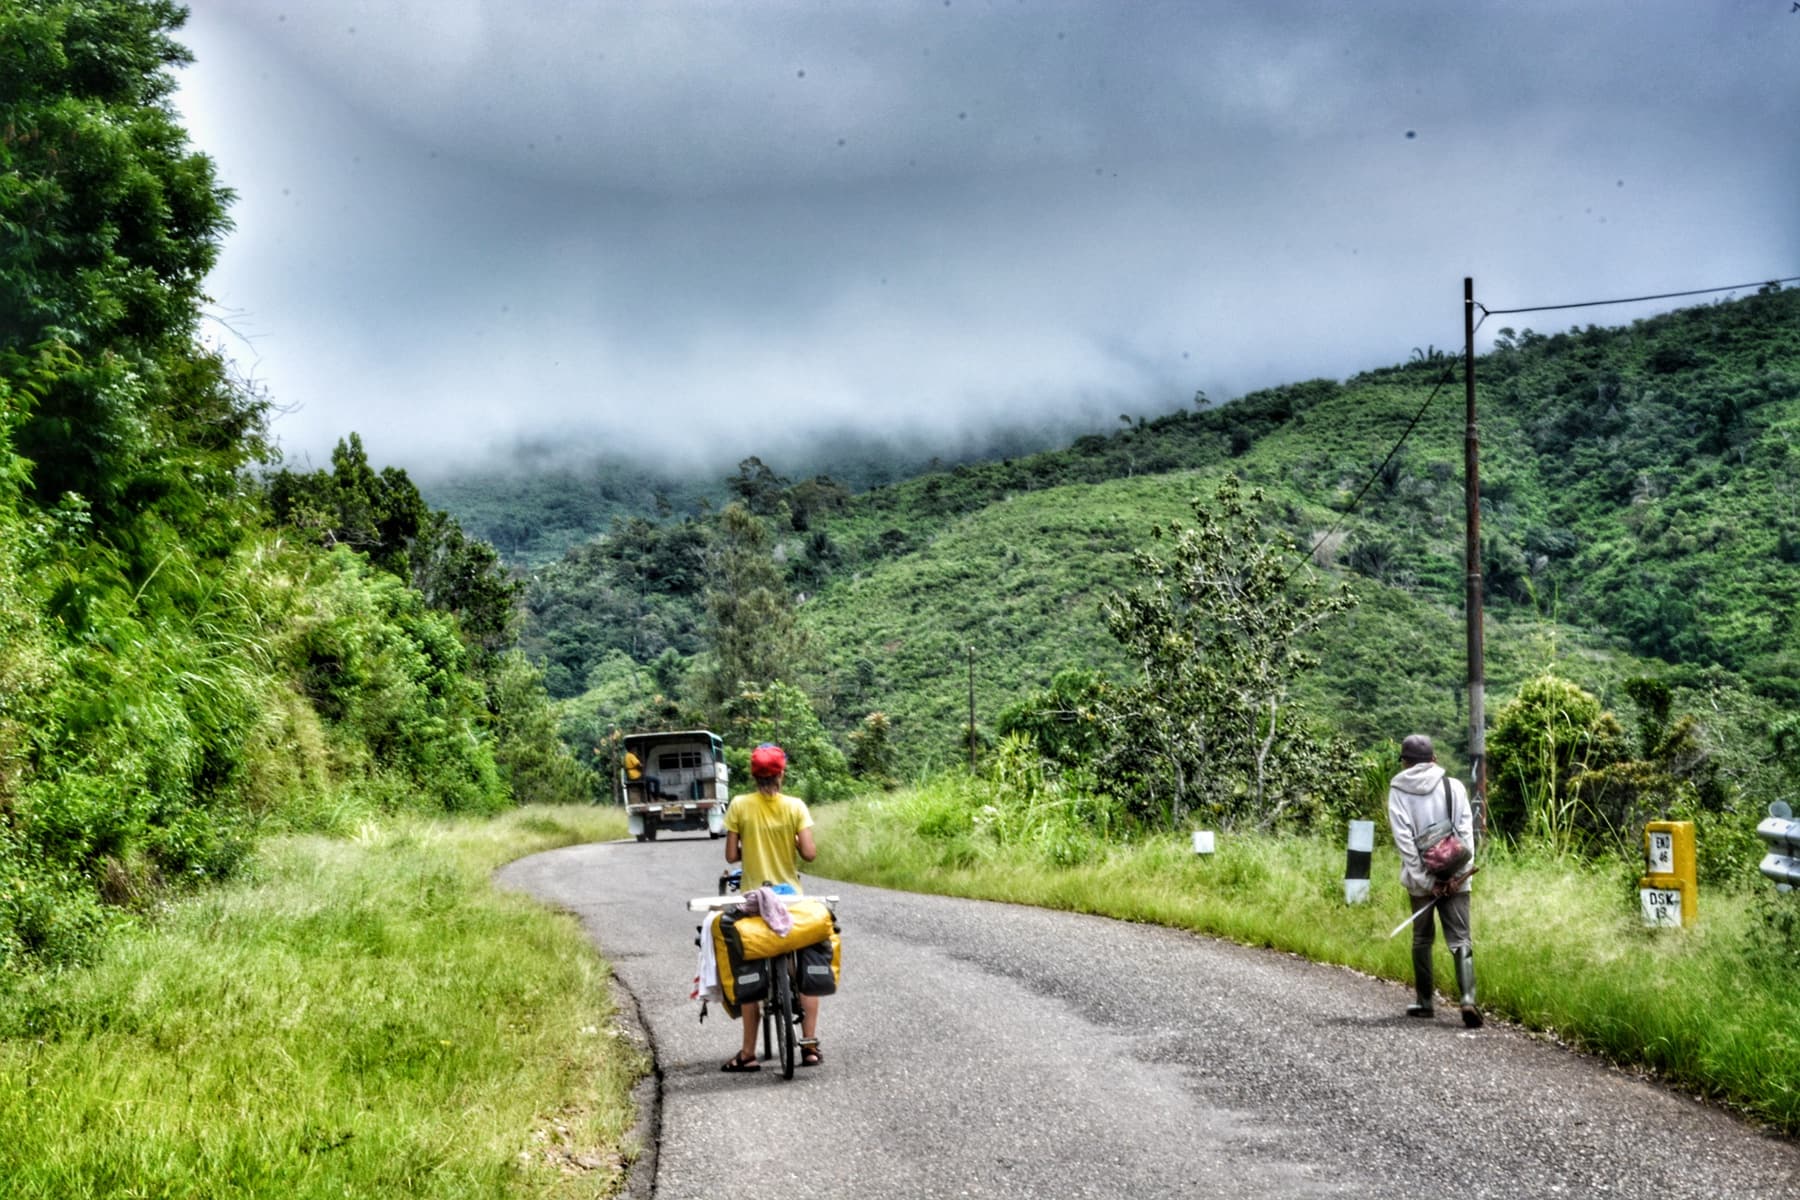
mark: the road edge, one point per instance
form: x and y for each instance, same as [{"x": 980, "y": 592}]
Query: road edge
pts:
[{"x": 646, "y": 1096}]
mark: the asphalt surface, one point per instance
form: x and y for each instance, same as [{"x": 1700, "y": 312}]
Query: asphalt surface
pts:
[{"x": 989, "y": 1050}]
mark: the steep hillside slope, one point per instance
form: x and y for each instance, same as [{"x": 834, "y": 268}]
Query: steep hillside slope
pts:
[{"x": 1639, "y": 504}]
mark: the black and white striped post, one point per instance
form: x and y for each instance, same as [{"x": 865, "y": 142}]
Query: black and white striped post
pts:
[{"x": 1356, "y": 866}]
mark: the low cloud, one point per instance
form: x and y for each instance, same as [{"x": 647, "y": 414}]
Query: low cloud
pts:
[{"x": 693, "y": 229}]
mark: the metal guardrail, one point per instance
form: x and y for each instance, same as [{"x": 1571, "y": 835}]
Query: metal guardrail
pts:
[{"x": 1782, "y": 832}]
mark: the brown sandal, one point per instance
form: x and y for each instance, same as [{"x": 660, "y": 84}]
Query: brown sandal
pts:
[
  {"x": 811, "y": 1056},
  {"x": 738, "y": 1064}
]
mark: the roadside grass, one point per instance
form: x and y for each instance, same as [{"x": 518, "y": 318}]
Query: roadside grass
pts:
[
  {"x": 1559, "y": 943},
  {"x": 363, "y": 1016}
]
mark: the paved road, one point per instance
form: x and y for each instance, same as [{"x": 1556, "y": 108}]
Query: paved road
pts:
[{"x": 988, "y": 1050}]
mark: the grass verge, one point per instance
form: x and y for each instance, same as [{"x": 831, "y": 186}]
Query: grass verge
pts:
[
  {"x": 362, "y": 1017},
  {"x": 1559, "y": 943}
]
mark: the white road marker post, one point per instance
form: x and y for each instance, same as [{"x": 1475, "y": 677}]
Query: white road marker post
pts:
[{"x": 1356, "y": 866}]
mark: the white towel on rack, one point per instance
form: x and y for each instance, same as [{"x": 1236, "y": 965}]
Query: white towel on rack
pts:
[{"x": 706, "y": 971}]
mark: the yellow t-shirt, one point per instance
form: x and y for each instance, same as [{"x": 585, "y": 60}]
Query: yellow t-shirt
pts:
[
  {"x": 633, "y": 768},
  {"x": 766, "y": 827}
]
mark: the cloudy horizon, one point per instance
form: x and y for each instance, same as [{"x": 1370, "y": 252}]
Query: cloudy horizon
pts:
[{"x": 689, "y": 230}]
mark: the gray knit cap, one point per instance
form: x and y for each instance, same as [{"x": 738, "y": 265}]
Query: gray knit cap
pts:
[{"x": 1416, "y": 748}]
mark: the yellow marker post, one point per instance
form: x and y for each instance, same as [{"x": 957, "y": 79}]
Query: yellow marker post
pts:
[{"x": 1668, "y": 890}]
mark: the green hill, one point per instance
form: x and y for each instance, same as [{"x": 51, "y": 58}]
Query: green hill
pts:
[{"x": 1639, "y": 516}]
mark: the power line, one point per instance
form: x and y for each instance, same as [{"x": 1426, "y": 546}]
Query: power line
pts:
[
  {"x": 1736, "y": 287},
  {"x": 1448, "y": 375}
]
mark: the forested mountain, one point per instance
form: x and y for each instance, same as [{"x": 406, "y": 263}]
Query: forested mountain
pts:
[
  {"x": 533, "y": 505},
  {"x": 1639, "y": 517},
  {"x": 1637, "y": 496},
  {"x": 535, "y": 515}
]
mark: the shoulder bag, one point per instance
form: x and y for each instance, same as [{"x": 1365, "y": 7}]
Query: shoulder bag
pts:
[{"x": 1440, "y": 849}]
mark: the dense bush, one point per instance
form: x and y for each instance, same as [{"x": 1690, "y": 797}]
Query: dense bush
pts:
[
  {"x": 1542, "y": 743},
  {"x": 387, "y": 673},
  {"x": 178, "y": 673},
  {"x": 535, "y": 764},
  {"x": 781, "y": 713}
]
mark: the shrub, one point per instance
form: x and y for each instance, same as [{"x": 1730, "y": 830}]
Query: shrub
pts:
[
  {"x": 781, "y": 713},
  {"x": 1064, "y": 720},
  {"x": 872, "y": 750},
  {"x": 1541, "y": 743},
  {"x": 533, "y": 759}
]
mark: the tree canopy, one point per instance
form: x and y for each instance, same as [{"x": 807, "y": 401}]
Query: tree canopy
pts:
[
  {"x": 109, "y": 222},
  {"x": 1217, "y": 631}
]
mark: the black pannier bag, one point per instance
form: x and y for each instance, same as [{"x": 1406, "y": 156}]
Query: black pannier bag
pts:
[
  {"x": 750, "y": 980},
  {"x": 819, "y": 967}
]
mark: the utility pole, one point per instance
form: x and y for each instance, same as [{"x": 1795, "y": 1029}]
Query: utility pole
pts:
[
  {"x": 971, "y": 708},
  {"x": 1472, "y": 563}
]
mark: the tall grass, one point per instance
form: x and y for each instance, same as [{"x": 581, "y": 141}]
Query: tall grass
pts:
[
  {"x": 363, "y": 1017},
  {"x": 1559, "y": 944}
]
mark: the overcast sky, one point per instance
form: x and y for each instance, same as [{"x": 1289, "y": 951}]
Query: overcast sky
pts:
[{"x": 674, "y": 227}]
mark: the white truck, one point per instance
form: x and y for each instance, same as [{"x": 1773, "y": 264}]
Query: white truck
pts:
[{"x": 680, "y": 781}]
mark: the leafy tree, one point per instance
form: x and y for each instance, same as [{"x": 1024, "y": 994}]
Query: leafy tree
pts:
[
  {"x": 750, "y": 616},
  {"x": 108, "y": 226},
  {"x": 872, "y": 750},
  {"x": 1543, "y": 741},
  {"x": 378, "y": 513},
  {"x": 528, "y": 749},
  {"x": 382, "y": 515},
  {"x": 811, "y": 499},
  {"x": 818, "y": 560},
  {"x": 781, "y": 713},
  {"x": 463, "y": 576},
  {"x": 1215, "y": 629},
  {"x": 757, "y": 487}
]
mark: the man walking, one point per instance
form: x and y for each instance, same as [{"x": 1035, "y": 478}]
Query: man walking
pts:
[{"x": 1420, "y": 796}]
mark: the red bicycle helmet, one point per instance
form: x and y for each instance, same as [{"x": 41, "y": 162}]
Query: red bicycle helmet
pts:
[{"x": 768, "y": 761}]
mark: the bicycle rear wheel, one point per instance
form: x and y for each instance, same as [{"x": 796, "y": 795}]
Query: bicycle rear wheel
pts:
[{"x": 782, "y": 1002}]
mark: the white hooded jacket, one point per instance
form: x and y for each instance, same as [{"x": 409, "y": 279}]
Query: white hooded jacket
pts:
[{"x": 1415, "y": 800}]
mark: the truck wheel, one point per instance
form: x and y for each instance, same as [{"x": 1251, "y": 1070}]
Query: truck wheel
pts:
[{"x": 649, "y": 831}]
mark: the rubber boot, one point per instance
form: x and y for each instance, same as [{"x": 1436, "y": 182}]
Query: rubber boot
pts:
[
  {"x": 1465, "y": 986},
  {"x": 1423, "y": 984}
]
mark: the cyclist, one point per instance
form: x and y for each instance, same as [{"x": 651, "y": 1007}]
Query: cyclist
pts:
[{"x": 770, "y": 833}]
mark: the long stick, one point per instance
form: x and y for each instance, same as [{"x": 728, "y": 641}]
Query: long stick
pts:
[
  {"x": 1425, "y": 908},
  {"x": 1422, "y": 909}
]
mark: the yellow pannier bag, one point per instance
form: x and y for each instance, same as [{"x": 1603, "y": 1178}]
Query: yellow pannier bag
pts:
[
  {"x": 748, "y": 937},
  {"x": 742, "y": 941}
]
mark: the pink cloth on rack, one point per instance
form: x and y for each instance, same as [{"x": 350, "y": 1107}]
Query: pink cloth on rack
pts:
[{"x": 766, "y": 903}]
